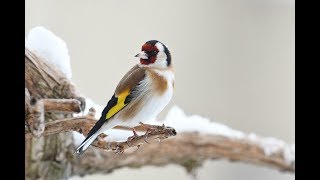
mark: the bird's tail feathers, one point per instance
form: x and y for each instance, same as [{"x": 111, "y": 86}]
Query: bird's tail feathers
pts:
[
  {"x": 98, "y": 128},
  {"x": 86, "y": 143}
]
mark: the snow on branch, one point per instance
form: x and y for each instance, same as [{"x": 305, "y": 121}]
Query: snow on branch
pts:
[
  {"x": 270, "y": 146},
  {"x": 51, "y": 48}
]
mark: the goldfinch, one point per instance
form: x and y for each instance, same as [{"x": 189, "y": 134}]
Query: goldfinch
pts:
[{"x": 141, "y": 94}]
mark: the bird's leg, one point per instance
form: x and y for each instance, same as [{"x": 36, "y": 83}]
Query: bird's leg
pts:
[
  {"x": 132, "y": 137},
  {"x": 148, "y": 130},
  {"x": 134, "y": 133}
]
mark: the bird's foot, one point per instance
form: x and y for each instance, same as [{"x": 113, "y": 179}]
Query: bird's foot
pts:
[
  {"x": 149, "y": 129},
  {"x": 135, "y": 135}
]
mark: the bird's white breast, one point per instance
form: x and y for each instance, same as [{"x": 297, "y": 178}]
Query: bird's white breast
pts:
[{"x": 153, "y": 102}]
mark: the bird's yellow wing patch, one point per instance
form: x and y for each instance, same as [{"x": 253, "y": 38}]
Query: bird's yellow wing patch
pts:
[{"x": 120, "y": 104}]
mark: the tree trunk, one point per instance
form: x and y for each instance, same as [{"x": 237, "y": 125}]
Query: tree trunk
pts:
[{"x": 48, "y": 157}]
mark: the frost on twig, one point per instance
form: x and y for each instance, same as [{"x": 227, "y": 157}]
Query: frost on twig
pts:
[{"x": 52, "y": 48}]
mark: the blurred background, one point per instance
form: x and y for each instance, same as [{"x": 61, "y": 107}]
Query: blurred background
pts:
[{"x": 234, "y": 63}]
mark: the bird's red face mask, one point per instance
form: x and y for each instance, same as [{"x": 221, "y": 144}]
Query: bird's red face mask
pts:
[{"x": 148, "y": 54}]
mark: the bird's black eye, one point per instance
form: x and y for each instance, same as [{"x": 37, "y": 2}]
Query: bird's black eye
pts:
[{"x": 152, "y": 53}]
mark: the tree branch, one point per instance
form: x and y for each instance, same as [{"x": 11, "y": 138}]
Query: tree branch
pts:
[
  {"x": 155, "y": 133},
  {"x": 186, "y": 149},
  {"x": 35, "y": 109},
  {"x": 85, "y": 123},
  {"x": 62, "y": 105},
  {"x": 80, "y": 124}
]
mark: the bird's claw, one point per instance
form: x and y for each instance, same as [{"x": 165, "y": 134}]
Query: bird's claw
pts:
[{"x": 135, "y": 135}]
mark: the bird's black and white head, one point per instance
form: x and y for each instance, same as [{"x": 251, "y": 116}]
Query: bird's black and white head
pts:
[{"x": 154, "y": 54}]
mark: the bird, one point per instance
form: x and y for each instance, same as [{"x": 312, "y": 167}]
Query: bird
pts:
[{"x": 143, "y": 92}]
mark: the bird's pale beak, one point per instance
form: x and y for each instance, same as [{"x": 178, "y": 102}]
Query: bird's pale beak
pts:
[{"x": 142, "y": 55}]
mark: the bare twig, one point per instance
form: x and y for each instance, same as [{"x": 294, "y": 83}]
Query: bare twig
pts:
[
  {"x": 80, "y": 124},
  {"x": 156, "y": 133},
  {"x": 35, "y": 109},
  {"x": 62, "y": 105}
]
